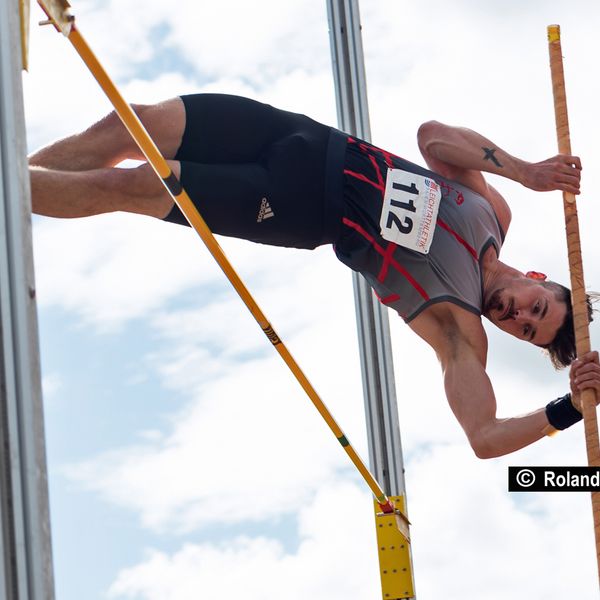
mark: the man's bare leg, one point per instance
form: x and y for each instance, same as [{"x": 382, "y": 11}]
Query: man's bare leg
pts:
[
  {"x": 75, "y": 176},
  {"x": 107, "y": 142},
  {"x": 69, "y": 194}
]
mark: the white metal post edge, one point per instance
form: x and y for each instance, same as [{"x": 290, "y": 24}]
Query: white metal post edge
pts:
[
  {"x": 381, "y": 410},
  {"x": 26, "y": 568},
  {"x": 385, "y": 449}
]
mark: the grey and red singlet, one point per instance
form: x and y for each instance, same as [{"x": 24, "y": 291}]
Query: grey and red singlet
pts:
[
  {"x": 280, "y": 178},
  {"x": 405, "y": 280}
]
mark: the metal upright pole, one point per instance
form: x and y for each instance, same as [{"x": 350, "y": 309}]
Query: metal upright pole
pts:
[
  {"x": 25, "y": 548},
  {"x": 385, "y": 450},
  {"x": 383, "y": 428}
]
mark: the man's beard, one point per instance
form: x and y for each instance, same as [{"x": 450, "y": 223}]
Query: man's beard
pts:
[
  {"x": 494, "y": 301},
  {"x": 504, "y": 307}
]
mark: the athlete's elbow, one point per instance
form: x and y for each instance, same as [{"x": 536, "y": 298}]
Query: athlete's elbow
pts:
[
  {"x": 482, "y": 447},
  {"x": 428, "y": 134},
  {"x": 484, "y": 453},
  {"x": 427, "y": 131}
]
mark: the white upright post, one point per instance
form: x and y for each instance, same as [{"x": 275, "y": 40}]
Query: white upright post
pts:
[
  {"x": 385, "y": 449},
  {"x": 26, "y": 571},
  {"x": 383, "y": 428}
]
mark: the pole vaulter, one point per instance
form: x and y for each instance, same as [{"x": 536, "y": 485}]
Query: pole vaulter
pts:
[{"x": 58, "y": 13}]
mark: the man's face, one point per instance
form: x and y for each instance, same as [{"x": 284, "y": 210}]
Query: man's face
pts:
[{"x": 528, "y": 310}]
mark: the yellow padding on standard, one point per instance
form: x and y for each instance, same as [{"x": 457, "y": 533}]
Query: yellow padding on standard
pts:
[{"x": 395, "y": 565}]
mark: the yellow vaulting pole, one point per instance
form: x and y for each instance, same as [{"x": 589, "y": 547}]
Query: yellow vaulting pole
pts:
[
  {"x": 580, "y": 311},
  {"x": 57, "y": 10}
]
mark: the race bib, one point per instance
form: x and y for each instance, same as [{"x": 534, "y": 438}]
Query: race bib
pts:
[{"x": 410, "y": 208}]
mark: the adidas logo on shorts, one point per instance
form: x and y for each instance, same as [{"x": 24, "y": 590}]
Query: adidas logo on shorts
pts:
[{"x": 265, "y": 211}]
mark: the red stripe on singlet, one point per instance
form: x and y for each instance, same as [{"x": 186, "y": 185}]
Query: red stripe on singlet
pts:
[
  {"x": 460, "y": 240},
  {"x": 389, "y": 299},
  {"x": 387, "y": 257},
  {"x": 364, "y": 178},
  {"x": 378, "y": 173},
  {"x": 398, "y": 267},
  {"x": 387, "y": 156},
  {"x": 380, "y": 183}
]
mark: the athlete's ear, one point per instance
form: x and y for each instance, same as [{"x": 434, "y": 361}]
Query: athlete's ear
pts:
[{"x": 536, "y": 275}]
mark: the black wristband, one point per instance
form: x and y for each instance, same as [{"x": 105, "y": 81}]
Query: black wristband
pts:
[{"x": 561, "y": 413}]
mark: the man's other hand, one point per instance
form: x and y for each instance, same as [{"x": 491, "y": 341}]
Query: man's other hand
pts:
[
  {"x": 584, "y": 375},
  {"x": 561, "y": 172}
]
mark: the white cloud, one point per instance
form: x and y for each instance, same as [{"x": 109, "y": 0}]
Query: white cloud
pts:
[
  {"x": 51, "y": 385},
  {"x": 335, "y": 559},
  {"x": 115, "y": 267},
  {"x": 246, "y": 421},
  {"x": 469, "y": 535},
  {"x": 258, "y": 42}
]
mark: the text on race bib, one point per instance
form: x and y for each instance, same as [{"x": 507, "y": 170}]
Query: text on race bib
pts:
[{"x": 410, "y": 207}]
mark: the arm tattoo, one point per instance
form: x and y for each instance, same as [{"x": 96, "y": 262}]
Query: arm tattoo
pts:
[{"x": 489, "y": 155}]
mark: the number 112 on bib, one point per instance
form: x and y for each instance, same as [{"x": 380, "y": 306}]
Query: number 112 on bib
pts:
[{"x": 410, "y": 207}]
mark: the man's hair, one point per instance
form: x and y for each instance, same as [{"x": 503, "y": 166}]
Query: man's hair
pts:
[{"x": 562, "y": 349}]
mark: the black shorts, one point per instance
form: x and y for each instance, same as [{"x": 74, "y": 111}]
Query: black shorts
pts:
[{"x": 259, "y": 173}]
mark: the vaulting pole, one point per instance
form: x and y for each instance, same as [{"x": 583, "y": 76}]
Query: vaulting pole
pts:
[
  {"x": 59, "y": 17},
  {"x": 580, "y": 312}
]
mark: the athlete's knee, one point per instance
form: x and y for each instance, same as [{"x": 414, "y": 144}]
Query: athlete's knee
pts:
[
  {"x": 164, "y": 121},
  {"x": 110, "y": 136},
  {"x": 144, "y": 182},
  {"x": 175, "y": 168},
  {"x": 141, "y": 110},
  {"x": 111, "y": 130},
  {"x": 113, "y": 118}
]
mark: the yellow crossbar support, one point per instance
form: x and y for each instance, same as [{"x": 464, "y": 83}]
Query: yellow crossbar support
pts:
[
  {"x": 58, "y": 15},
  {"x": 395, "y": 566},
  {"x": 180, "y": 196}
]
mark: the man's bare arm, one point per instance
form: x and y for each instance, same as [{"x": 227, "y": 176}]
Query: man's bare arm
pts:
[
  {"x": 475, "y": 405},
  {"x": 471, "y": 397},
  {"x": 460, "y": 150}
]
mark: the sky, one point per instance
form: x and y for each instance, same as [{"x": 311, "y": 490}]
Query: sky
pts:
[{"x": 184, "y": 461}]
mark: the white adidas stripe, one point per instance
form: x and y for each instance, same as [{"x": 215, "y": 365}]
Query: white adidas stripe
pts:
[{"x": 265, "y": 211}]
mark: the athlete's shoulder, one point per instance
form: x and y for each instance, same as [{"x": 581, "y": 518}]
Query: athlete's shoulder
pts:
[{"x": 451, "y": 331}]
